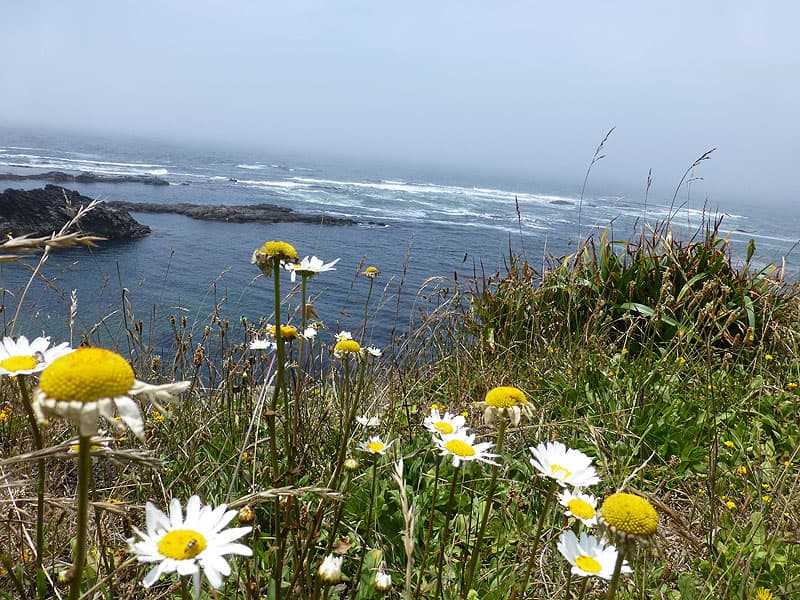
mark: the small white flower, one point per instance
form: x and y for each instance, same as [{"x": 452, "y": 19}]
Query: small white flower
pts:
[
  {"x": 581, "y": 506},
  {"x": 330, "y": 571},
  {"x": 311, "y": 266},
  {"x": 20, "y": 357},
  {"x": 375, "y": 445},
  {"x": 588, "y": 556},
  {"x": 446, "y": 424},
  {"x": 462, "y": 447},
  {"x": 343, "y": 335},
  {"x": 266, "y": 345},
  {"x": 383, "y": 581},
  {"x": 565, "y": 465},
  {"x": 368, "y": 421},
  {"x": 187, "y": 546},
  {"x": 373, "y": 351},
  {"x": 310, "y": 333}
]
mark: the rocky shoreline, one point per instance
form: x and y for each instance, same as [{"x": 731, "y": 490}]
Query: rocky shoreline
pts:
[
  {"x": 84, "y": 177},
  {"x": 249, "y": 213},
  {"x": 42, "y": 211}
]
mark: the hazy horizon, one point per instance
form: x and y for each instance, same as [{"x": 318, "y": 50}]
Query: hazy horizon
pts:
[{"x": 511, "y": 89}]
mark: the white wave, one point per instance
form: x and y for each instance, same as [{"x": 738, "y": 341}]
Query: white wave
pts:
[
  {"x": 255, "y": 167},
  {"x": 82, "y": 161},
  {"x": 272, "y": 184}
]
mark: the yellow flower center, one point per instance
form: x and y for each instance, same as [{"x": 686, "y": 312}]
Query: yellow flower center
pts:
[
  {"x": 347, "y": 346},
  {"x": 182, "y": 544},
  {"x": 587, "y": 564},
  {"x": 282, "y": 250},
  {"x": 630, "y": 514},
  {"x": 372, "y": 272},
  {"x": 505, "y": 397},
  {"x": 288, "y": 332},
  {"x": 86, "y": 375},
  {"x": 376, "y": 447},
  {"x": 559, "y": 472},
  {"x": 763, "y": 594},
  {"x": 580, "y": 508},
  {"x": 19, "y": 363},
  {"x": 459, "y": 448},
  {"x": 443, "y": 427}
]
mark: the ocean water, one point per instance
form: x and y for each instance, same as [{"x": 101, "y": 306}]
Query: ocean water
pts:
[{"x": 418, "y": 228}]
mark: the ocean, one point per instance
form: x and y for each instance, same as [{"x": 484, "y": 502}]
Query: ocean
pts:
[{"x": 418, "y": 228}]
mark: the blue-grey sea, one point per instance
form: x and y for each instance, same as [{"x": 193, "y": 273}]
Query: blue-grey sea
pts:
[{"x": 415, "y": 225}]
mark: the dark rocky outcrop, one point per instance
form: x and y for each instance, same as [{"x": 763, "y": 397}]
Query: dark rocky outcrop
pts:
[
  {"x": 261, "y": 213},
  {"x": 45, "y": 210},
  {"x": 84, "y": 177}
]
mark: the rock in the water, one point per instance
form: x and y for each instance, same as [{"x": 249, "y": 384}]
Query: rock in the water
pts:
[
  {"x": 45, "y": 210},
  {"x": 85, "y": 177},
  {"x": 234, "y": 213}
]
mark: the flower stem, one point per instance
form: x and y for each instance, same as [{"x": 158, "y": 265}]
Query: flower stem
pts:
[
  {"x": 536, "y": 538},
  {"x": 612, "y": 586},
  {"x": 184, "y": 588},
  {"x": 429, "y": 531},
  {"x": 487, "y": 509},
  {"x": 445, "y": 533},
  {"x": 84, "y": 474},
  {"x": 38, "y": 443},
  {"x": 584, "y": 587},
  {"x": 366, "y": 310},
  {"x": 369, "y": 527}
]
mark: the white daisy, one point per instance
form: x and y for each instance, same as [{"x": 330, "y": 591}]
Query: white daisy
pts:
[
  {"x": 588, "y": 556},
  {"x": 189, "y": 545},
  {"x": 565, "y": 465},
  {"x": 443, "y": 424},
  {"x": 343, "y": 335},
  {"x": 310, "y": 267},
  {"x": 368, "y": 421},
  {"x": 93, "y": 382},
  {"x": 373, "y": 351},
  {"x": 20, "y": 357},
  {"x": 310, "y": 333},
  {"x": 375, "y": 445},
  {"x": 462, "y": 447},
  {"x": 265, "y": 345},
  {"x": 383, "y": 580},
  {"x": 330, "y": 571},
  {"x": 581, "y": 506}
]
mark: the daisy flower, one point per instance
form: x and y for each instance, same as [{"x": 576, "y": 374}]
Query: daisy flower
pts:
[
  {"x": 266, "y": 345},
  {"x": 443, "y": 424},
  {"x": 20, "y": 357},
  {"x": 187, "y": 546},
  {"x": 346, "y": 347},
  {"x": 368, "y": 421},
  {"x": 383, "y": 580},
  {"x": 330, "y": 571},
  {"x": 373, "y": 351},
  {"x": 628, "y": 517},
  {"x": 343, "y": 335},
  {"x": 565, "y": 465},
  {"x": 581, "y": 506},
  {"x": 271, "y": 251},
  {"x": 374, "y": 445},
  {"x": 92, "y": 382},
  {"x": 588, "y": 556},
  {"x": 372, "y": 272},
  {"x": 462, "y": 447},
  {"x": 505, "y": 401},
  {"x": 308, "y": 267}
]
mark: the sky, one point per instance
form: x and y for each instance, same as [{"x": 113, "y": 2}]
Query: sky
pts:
[{"x": 522, "y": 88}]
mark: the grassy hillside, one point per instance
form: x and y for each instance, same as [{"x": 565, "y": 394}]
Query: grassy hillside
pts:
[{"x": 669, "y": 365}]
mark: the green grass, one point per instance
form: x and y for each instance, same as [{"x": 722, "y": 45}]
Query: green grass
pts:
[{"x": 668, "y": 363}]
